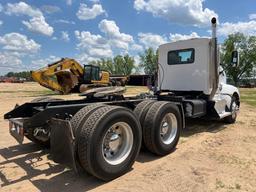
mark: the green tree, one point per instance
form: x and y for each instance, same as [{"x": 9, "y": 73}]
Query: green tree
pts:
[
  {"x": 119, "y": 65},
  {"x": 129, "y": 64},
  {"x": 105, "y": 65},
  {"x": 124, "y": 65},
  {"x": 246, "y": 46},
  {"x": 149, "y": 61},
  {"x": 118, "y": 62},
  {"x": 23, "y": 74}
]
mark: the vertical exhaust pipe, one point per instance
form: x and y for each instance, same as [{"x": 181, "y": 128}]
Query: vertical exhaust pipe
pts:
[
  {"x": 214, "y": 57},
  {"x": 214, "y": 26}
]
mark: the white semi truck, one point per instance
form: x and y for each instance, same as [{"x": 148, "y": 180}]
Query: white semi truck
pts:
[{"x": 102, "y": 133}]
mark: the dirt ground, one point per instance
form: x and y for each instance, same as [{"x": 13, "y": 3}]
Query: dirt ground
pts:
[{"x": 210, "y": 156}]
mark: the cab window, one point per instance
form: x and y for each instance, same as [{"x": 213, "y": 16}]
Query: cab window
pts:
[
  {"x": 95, "y": 73},
  {"x": 184, "y": 56},
  {"x": 92, "y": 73}
]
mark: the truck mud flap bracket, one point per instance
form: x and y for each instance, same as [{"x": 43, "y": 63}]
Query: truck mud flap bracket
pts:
[{"x": 63, "y": 143}]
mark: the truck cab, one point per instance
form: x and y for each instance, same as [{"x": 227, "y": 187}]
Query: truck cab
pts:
[{"x": 191, "y": 69}]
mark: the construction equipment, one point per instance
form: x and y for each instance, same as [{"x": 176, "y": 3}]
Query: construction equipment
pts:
[
  {"x": 102, "y": 133},
  {"x": 67, "y": 75}
]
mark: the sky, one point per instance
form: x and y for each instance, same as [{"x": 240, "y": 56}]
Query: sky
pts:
[{"x": 34, "y": 33}]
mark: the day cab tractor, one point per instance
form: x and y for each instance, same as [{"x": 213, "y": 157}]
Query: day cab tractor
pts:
[{"x": 102, "y": 135}]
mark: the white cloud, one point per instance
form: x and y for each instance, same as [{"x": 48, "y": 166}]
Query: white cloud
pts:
[
  {"x": 37, "y": 22},
  {"x": 1, "y": 22},
  {"x": 38, "y": 63},
  {"x": 86, "y": 39},
  {"x": 86, "y": 13},
  {"x": 151, "y": 40},
  {"x": 178, "y": 11},
  {"x": 69, "y": 2},
  {"x": 252, "y": 16},
  {"x": 64, "y": 21},
  {"x": 22, "y": 8},
  {"x": 15, "y": 47},
  {"x": 248, "y": 28},
  {"x": 9, "y": 60},
  {"x": 92, "y": 46},
  {"x": 100, "y": 52},
  {"x": 18, "y": 42},
  {"x": 49, "y": 9},
  {"x": 112, "y": 32},
  {"x": 65, "y": 36},
  {"x": 178, "y": 37},
  {"x": 137, "y": 47},
  {"x": 95, "y": 1},
  {"x": 112, "y": 42}
]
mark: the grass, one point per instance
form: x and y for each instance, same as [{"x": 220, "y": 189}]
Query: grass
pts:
[
  {"x": 219, "y": 184},
  {"x": 248, "y": 95}
]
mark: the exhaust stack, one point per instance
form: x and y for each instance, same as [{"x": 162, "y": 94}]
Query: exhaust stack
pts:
[
  {"x": 214, "y": 26},
  {"x": 215, "y": 75}
]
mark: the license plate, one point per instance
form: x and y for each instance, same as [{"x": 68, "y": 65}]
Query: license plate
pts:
[{"x": 16, "y": 129}]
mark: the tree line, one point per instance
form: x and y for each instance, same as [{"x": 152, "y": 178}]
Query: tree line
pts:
[
  {"x": 125, "y": 64},
  {"x": 23, "y": 74}
]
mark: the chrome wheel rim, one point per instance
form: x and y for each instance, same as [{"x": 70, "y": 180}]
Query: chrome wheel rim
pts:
[
  {"x": 168, "y": 129},
  {"x": 117, "y": 143}
]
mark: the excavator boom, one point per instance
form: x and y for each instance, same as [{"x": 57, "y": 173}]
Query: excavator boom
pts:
[{"x": 61, "y": 76}]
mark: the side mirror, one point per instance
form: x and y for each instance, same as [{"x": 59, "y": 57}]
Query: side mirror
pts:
[{"x": 235, "y": 58}]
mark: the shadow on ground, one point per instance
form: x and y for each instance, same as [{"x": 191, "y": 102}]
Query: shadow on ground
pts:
[
  {"x": 28, "y": 155},
  {"x": 195, "y": 126},
  {"x": 56, "y": 176}
]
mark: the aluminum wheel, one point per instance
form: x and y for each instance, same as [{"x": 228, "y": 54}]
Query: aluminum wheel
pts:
[
  {"x": 117, "y": 143},
  {"x": 168, "y": 129}
]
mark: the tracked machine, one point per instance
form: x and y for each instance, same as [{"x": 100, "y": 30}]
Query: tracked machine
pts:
[{"x": 68, "y": 76}]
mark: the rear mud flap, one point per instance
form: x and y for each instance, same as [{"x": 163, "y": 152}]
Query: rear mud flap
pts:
[{"x": 63, "y": 143}]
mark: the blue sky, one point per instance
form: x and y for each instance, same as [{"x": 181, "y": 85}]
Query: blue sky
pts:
[{"x": 35, "y": 33}]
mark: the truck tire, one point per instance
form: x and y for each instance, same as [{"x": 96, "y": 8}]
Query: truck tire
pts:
[
  {"x": 233, "y": 106},
  {"x": 81, "y": 116},
  {"x": 162, "y": 127},
  {"x": 109, "y": 142},
  {"x": 141, "y": 110},
  {"x": 30, "y": 132},
  {"x": 76, "y": 123}
]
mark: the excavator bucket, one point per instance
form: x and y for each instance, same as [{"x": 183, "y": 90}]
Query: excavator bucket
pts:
[{"x": 62, "y": 76}]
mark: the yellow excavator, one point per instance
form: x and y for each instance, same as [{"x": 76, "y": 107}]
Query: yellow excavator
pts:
[{"x": 67, "y": 76}]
